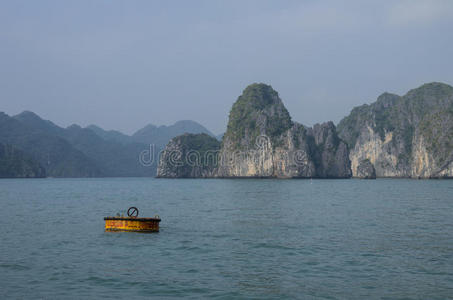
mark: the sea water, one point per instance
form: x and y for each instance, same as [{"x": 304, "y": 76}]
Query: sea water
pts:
[{"x": 228, "y": 239}]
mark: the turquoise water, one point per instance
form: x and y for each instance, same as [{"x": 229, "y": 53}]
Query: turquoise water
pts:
[{"x": 228, "y": 239}]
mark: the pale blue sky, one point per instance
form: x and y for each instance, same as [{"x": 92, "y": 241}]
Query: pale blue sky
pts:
[{"x": 123, "y": 64}]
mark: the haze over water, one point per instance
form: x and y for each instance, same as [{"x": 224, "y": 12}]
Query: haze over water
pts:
[{"x": 223, "y": 239}]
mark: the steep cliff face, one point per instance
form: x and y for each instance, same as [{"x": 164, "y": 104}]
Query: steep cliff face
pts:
[
  {"x": 285, "y": 155},
  {"x": 408, "y": 136},
  {"x": 262, "y": 141},
  {"x": 189, "y": 156},
  {"x": 331, "y": 154}
]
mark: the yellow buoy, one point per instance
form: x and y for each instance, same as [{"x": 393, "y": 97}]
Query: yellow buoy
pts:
[{"x": 132, "y": 222}]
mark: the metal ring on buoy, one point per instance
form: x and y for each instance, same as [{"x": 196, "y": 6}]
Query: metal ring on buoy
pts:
[{"x": 132, "y": 211}]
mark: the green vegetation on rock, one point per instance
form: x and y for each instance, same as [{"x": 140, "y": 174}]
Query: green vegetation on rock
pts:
[
  {"x": 189, "y": 156},
  {"x": 201, "y": 143},
  {"x": 284, "y": 149},
  {"x": 257, "y": 111}
]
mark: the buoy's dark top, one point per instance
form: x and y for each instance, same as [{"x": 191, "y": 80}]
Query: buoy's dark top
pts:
[{"x": 132, "y": 219}]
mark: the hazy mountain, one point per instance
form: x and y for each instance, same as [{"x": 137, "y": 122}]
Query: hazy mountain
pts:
[
  {"x": 34, "y": 121},
  {"x": 16, "y": 164},
  {"x": 39, "y": 141},
  {"x": 111, "y": 135},
  {"x": 87, "y": 152},
  {"x": 160, "y": 136},
  {"x": 111, "y": 157},
  {"x": 117, "y": 159}
]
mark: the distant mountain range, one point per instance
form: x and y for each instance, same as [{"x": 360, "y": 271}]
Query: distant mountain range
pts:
[
  {"x": 159, "y": 135},
  {"x": 408, "y": 136},
  {"x": 34, "y": 147}
]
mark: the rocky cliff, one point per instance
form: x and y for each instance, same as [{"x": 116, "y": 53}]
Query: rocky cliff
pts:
[
  {"x": 189, "y": 156},
  {"x": 365, "y": 170},
  {"x": 262, "y": 141},
  {"x": 408, "y": 136}
]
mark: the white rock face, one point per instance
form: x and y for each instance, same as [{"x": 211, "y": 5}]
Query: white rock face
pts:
[
  {"x": 424, "y": 165},
  {"x": 285, "y": 161},
  {"x": 404, "y": 136},
  {"x": 262, "y": 141},
  {"x": 384, "y": 157},
  {"x": 370, "y": 146}
]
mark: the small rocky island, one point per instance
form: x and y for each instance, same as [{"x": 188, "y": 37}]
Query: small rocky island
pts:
[
  {"x": 189, "y": 156},
  {"x": 408, "y": 136}
]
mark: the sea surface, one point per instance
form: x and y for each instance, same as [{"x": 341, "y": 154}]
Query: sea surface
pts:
[{"x": 228, "y": 239}]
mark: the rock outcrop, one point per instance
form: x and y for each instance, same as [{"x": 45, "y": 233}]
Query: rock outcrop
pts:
[
  {"x": 262, "y": 141},
  {"x": 397, "y": 136},
  {"x": 189, "y": 156},
  {"x": 365, "y": 170},
  {"x": 331, "y": 154},
  {"x": 408, "y": 136}
]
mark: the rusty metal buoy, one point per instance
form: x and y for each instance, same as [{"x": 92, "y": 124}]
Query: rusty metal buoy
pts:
[{"x": 132, "y": 222}]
